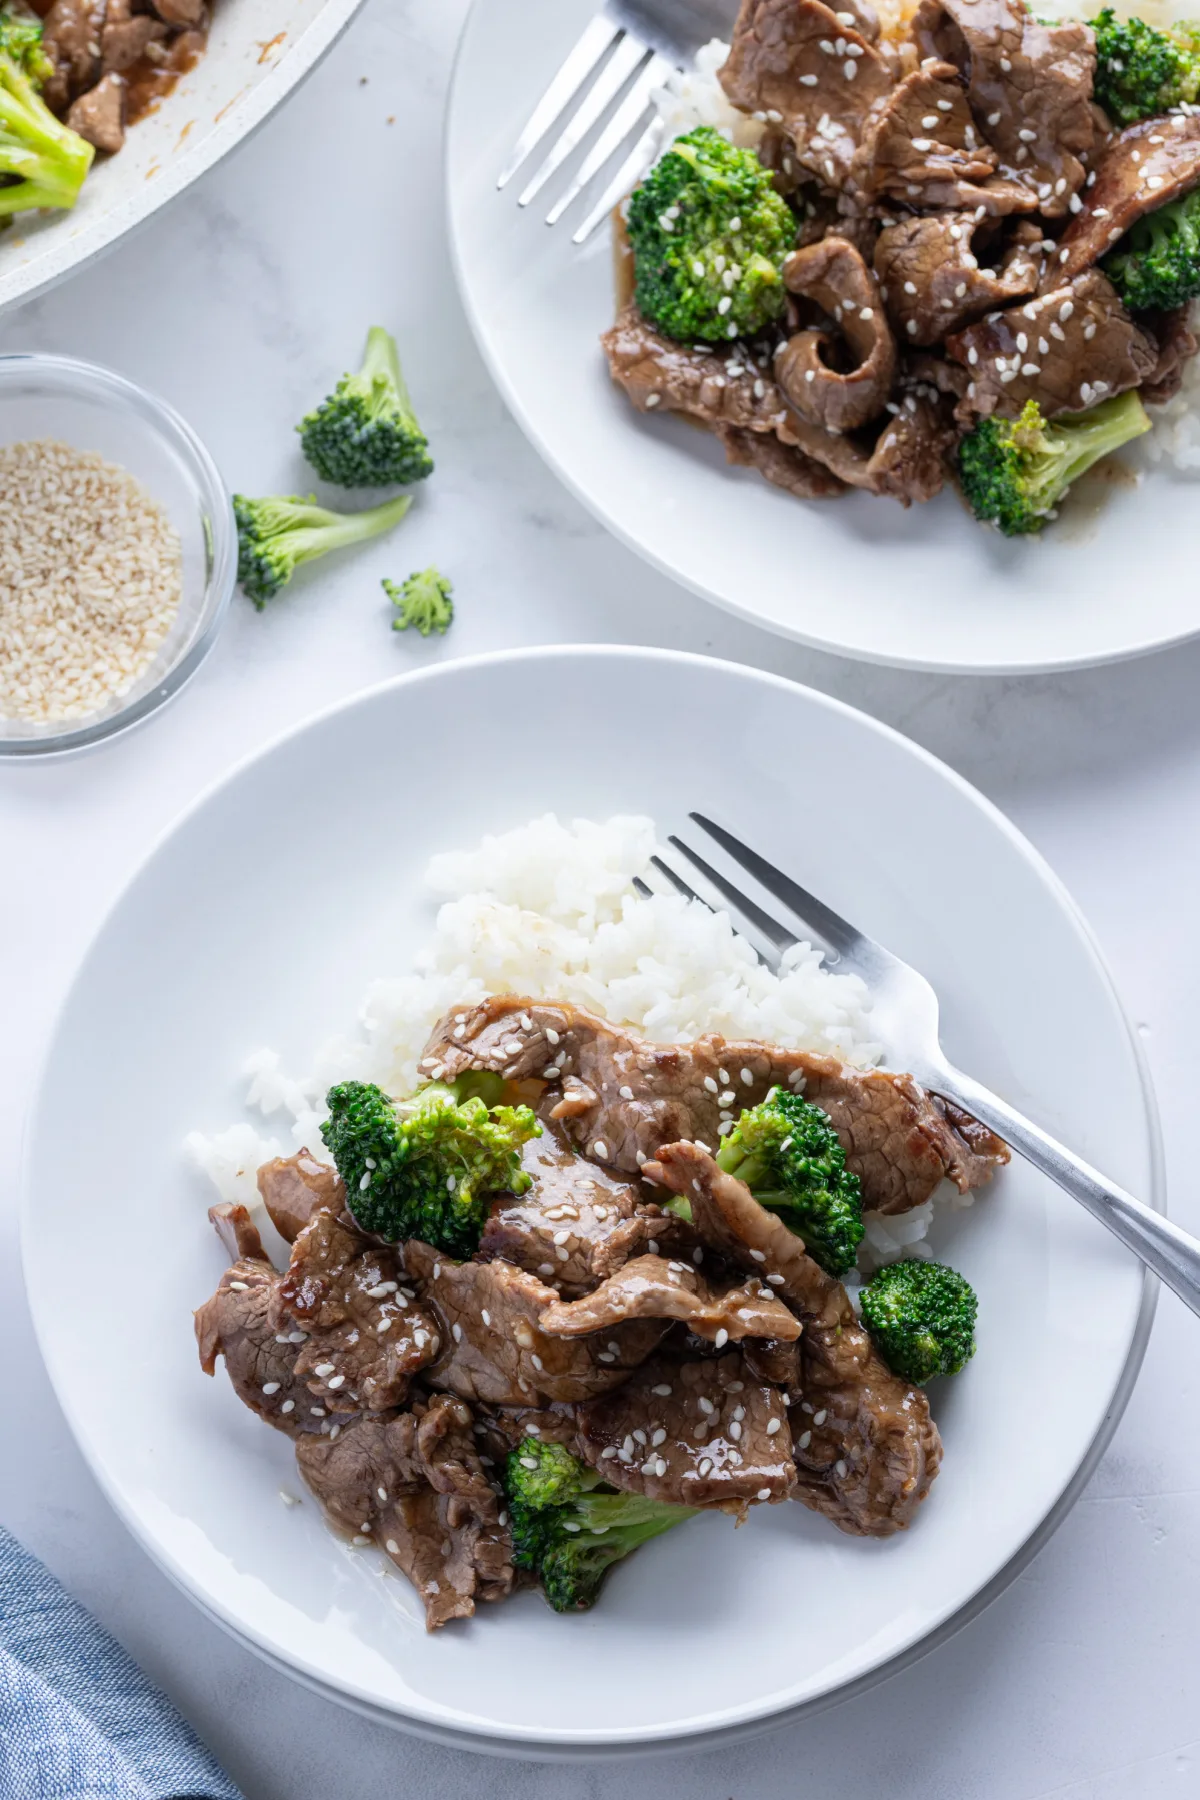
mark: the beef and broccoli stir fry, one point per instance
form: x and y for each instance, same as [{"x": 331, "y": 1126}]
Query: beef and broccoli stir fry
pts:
[
  {"x": 73, "y": 75},
  {"x": 582, "y": 1286},
  {"x": 966, "y": 249}
]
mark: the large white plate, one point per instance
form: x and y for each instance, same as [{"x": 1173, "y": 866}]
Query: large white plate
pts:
[
  {"x": 258, "y": 51},
  {"x": 261, "y": 917},
  {"x": 926, "y": 588}
]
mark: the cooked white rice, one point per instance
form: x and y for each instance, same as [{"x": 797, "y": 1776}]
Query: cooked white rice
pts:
[{"x": 550, "y": 910}]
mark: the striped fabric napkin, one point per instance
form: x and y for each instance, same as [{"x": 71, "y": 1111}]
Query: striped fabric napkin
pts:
[{"x": 78, "y": 1719}]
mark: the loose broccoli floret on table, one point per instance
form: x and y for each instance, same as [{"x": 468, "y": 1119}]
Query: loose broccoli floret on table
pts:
[
  {"x": 569, "y": 1527},
  {"x": 1014, "y": 472},
  {"x": 366, "y": 434},
  {"x": 791, "y": 1158},
  {"x": 423, "y": 600},
  {"x": 276, "y": 535},
  {"x": 921, "y": 1316},
  {"x": 427, "y": 1167},
  {"x": 1141, "y": 71},
  {"x": 709, "y": 236},
  {"x": 1156, "y": 266},
  {"x": 42, "y": 161}
]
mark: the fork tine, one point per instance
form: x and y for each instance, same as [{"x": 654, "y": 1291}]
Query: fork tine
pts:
[
  {"x": 681, "y": 887},
  {"x": 776, "y": 934},
  {"x": 622, "y": 183},
  {"x": 622, "y": 124},
  {"x": 624, "y": 62},
  {"x": 597, "y": 40},
  {"x": 837, "y": 932}
]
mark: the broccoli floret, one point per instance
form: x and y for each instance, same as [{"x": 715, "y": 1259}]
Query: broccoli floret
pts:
[
  {"x": 709, "y": 236},
  {"x": 21, "y": 41},
  {"x": 1014, "y": 472},
  {"x": 921, "y": 1316},
  {"x": 1140, "y": 71},
  {"x": 42, "y": 161},
  {"x": 569, "y": 1527},
  {"x": 426, "y": 1167},
  {"x": 366, "y": 434},
  {"x": 278, "y": 534},
  {"x": 789, "y": 1155},
  {"x": 1156, "y": 266},
  {"x": 423, "y": 600}
]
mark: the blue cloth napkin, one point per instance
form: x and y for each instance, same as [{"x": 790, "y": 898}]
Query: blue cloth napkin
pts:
[{"x": 78, "y": 1719}]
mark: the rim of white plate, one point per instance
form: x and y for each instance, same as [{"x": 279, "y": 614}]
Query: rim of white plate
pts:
[{"x": 748, "y": 1721}]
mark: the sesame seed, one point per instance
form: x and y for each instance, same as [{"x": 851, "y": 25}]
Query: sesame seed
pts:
[
  {"x": 840, "y": 1469},
  {"x": 764, "y": 1494},
  {"x": 804, "y": 1440},
  {"x": 600, "y": 1150},
  {"x": 721, "y": 1339},
  {"x": 705, "y": 1404},
  {"x": 239, "y": 1287},
  {"x": 288, "y": 1406}
]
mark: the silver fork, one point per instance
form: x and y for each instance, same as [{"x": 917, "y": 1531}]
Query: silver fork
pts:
[
  {"x": 905, "y": 1008},
  {"x": 628, "y": 49}
]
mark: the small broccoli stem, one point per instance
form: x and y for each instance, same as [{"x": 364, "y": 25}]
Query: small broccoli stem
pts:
[
  {"x": 1081, "y": 439},
  {"x": 747, "y": 1167},
  {"x": 49, "y": 158},
  {"x": 337, "y": 531},
  {"x": 381, "y": 370}
]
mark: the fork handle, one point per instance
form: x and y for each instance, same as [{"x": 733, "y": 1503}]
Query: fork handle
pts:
[{"x": 1173, "y": 1254}]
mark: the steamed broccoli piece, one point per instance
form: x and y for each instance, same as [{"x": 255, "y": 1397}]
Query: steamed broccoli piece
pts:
[
  {"x": 1156, "y": 266},
  {"x": 709, "y": 236},
  {"x": 278, "y": 534},
  {"x": 569, "y": 1527},
  {"x": 21, "y": 42},
  {"x": 1141, "y": 72},
  {"x": 1014, "y": 472},
  {"x": 42, "y": 161},
  {"x": 423, "y": 600},
  {"x": 789, "y": 1155},
  {"x": 366, "y": 434},
  {"x": 426, "y": 1167},
  {"x": 921, "y": 1316}
]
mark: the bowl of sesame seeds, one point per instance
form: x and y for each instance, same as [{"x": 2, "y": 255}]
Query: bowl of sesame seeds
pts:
[{"x": 118, "y": 554}]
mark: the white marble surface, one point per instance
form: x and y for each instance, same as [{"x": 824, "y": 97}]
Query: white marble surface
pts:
[{"x": 240, "y": 305}]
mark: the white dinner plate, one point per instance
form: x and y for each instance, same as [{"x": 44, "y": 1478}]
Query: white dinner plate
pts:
[
  {"x": 258, "y": 51},
  {"x": 924, "y": 588},
  {"x": 261, "y": 917}
]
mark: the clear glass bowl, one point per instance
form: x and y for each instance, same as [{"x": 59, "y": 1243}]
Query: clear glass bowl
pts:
[{"x": 93, "y": 409}]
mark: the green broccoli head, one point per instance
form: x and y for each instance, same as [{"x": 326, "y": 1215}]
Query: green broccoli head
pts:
[
  {"x": 1140, "y": 71},
  {"x": 1156, "y": 266},
  {"x": 569, "y": 1527},
  {"x": 278, "y": 534},
  {"x": 789, "y": 1155},
  {"x": 709, "y": 236},
  {"x": 42, "y": 161},
  {"x": 921, "y": 1316},
  {"x": 423, "y": 600},
  {"x": 1014, "y": 472},
  {"x": 366, "y": 434},
  {"x": 21, "y": 42},
  {"x": 427, "y": 1167}
]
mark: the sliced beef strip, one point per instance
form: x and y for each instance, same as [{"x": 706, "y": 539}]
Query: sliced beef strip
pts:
[
  {"x": 776, "y": 1363},
  {"x": 577, "y": 1224},
  {"x": 909, "y": 460},
  {"x": 796, "y": 59},
  {"x": 1030, "y": 88},
  {"x": 922, "y": 136},
  {"x": 124, "y": 41},
  {"x": 71, "y": 39},
  {"x": 237, "y": 1323},
  {"x": 294, "y": 1188},
  {"x": 1145, "y": 167},
  {"x": 99, "y": 115},
  {"x": 651, "y": 1287},
  {"x": 834, "y": 275},
  {"x": 1177, "y": 344},
  {"x": 929, "y": 269},
  {"x": 415, "y": 1486},
  {"x": 1067, "y": 350},
  {"x": 866, "y": 1448},
  {"x": 185, "y": 13},
  {"x": 715, "y": 387},
  {"x": 692, "y": 1434},
  {"x": 783, "y": 465},
  {"x": 624, "y": 1096},
  {"x": 494, "y": 1348},
  {"x": 366, "y": 1337}
]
